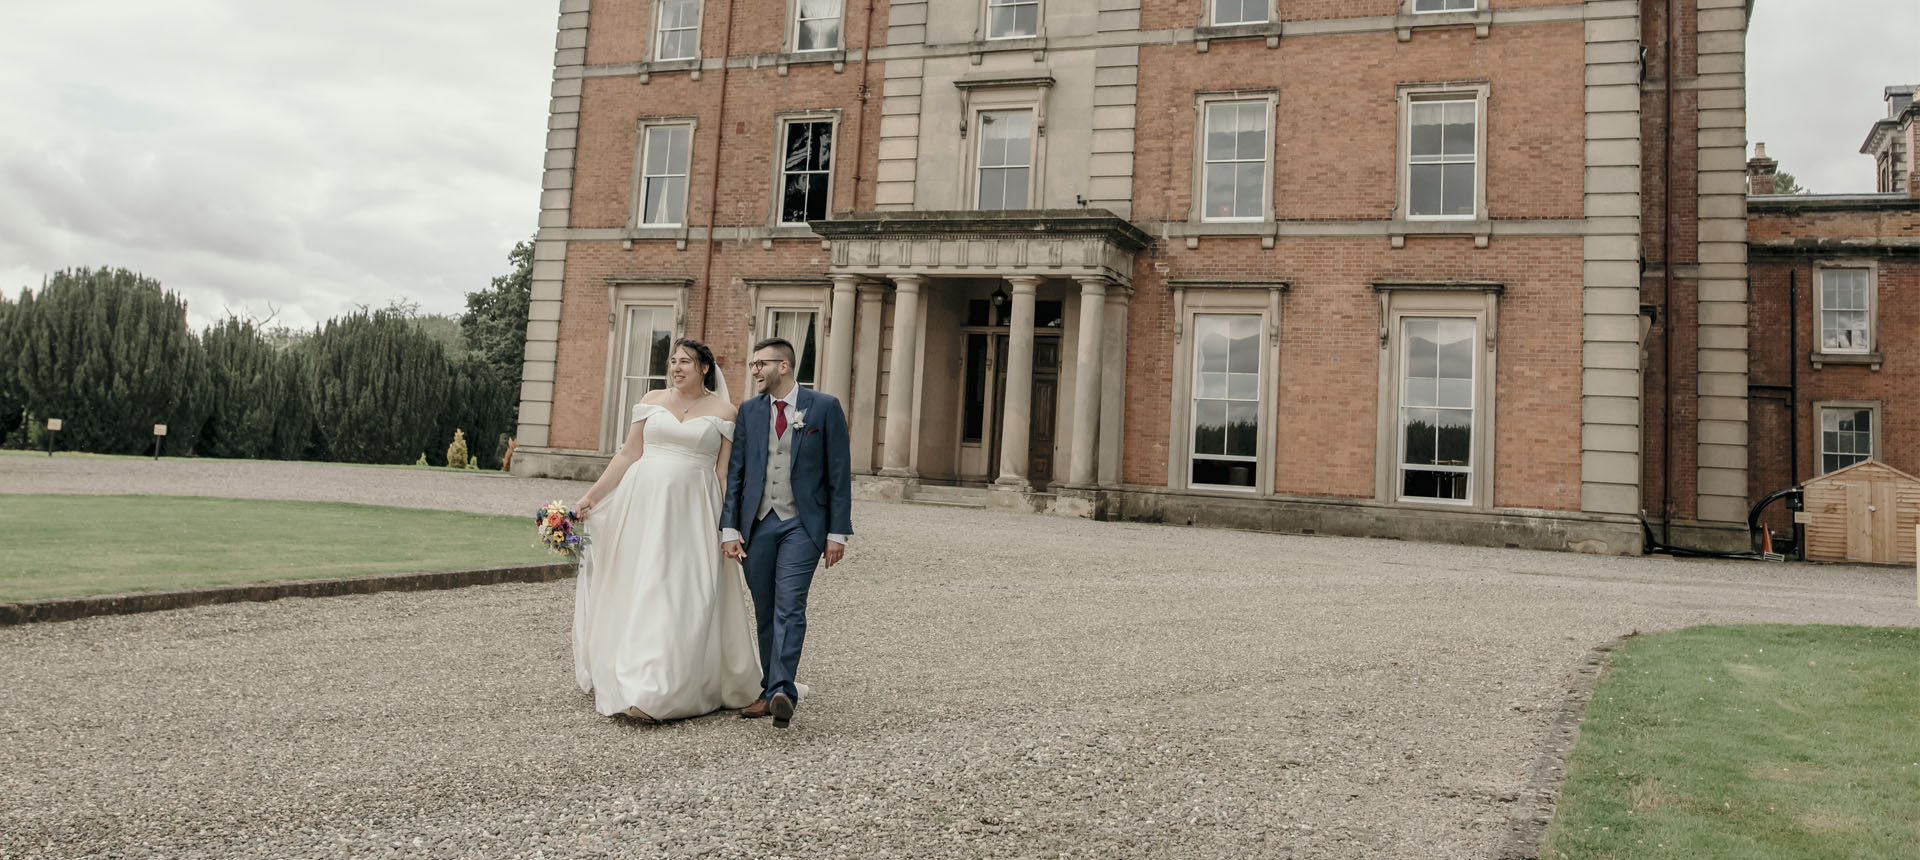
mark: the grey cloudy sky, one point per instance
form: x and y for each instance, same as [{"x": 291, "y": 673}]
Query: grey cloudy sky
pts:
[
  {"x": 257, "y": 155},
  {"x": 308, "y": 157},
  {"x": 1815, "y": 71}
]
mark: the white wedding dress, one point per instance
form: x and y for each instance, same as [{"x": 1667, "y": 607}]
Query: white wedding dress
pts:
[{"x": 660, "y": 617}]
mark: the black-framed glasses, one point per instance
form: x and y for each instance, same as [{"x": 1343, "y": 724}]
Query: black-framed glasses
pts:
[{"x": 760, "y": 363}]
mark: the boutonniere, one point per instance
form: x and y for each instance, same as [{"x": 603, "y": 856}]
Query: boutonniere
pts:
[{"x": 799, "y": 421}]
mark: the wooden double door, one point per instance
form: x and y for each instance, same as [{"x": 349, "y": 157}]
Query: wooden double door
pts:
[{"x": 986, "y": 392}]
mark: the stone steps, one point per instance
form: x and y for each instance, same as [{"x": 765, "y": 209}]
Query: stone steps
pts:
[{"x": 958, "y": 497}]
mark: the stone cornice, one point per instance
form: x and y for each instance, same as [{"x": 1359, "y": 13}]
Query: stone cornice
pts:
[
  {"x": 973, "y": 224},
  {"x": 812, "y": 281},
  {"x": 1225, "y": 284},
  {"x": 624, "y": 279},
  {"x": 1441, "y": 286},
  {"x": 1826, "y": 247},
  {"x": 1790, "y": 204}
]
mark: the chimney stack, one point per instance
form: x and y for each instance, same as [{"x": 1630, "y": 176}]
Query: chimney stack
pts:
[{"x": 1760, "y": 171}]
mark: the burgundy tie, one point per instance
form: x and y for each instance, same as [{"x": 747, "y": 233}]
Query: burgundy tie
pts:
[{"x": 780, "y": 419}]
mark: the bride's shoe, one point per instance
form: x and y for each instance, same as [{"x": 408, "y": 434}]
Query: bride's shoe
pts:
[{"x": 642, "y": 716}]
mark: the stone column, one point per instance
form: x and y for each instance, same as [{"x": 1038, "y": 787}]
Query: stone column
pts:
[
  {"x": 865, "y": 409},
  {"x": 1017, "y": 406},
  {"x": 1086, "y": 381},
  {"x": 906, "y": 314},
  {"x": 1113, "y": 387},
  {"x": 839, "y": 375}
]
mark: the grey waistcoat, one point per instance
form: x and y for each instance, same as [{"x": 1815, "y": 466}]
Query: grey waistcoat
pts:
[{"x": 778, "y": 497}]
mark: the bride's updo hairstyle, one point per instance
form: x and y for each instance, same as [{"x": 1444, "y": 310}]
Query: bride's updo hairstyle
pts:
[{"x": 704, "y": 357}]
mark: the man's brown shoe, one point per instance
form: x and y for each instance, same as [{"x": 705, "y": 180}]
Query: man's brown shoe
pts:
[
  {"x": 755, "y": 711},
  {"x": 782, "y": 709}
]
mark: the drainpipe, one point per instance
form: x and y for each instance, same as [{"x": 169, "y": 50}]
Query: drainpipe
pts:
[
  {"x": 1666, "y": 276},
  {"x": 1793, "y": 372},
  {"x": 1793, "y": 399},
  {"x": 713, "y": 190},
  {"x": 860, "y": 124}
]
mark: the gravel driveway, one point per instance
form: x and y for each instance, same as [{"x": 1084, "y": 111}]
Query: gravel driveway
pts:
[{"x": 986, "y": 685}]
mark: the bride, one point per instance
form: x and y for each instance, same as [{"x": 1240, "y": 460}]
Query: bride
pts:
[{"x": 660, "y": 625}]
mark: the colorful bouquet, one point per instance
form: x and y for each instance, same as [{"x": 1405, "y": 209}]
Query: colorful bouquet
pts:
[{"x": 559, "y": 530}]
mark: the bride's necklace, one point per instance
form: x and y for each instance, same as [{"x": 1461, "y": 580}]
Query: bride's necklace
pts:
[{"x": 689, "y": 407}]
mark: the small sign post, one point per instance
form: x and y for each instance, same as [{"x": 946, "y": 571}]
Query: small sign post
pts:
[
  {"x": 159, "y": 433},
  {"x": 53, "y": 426}
]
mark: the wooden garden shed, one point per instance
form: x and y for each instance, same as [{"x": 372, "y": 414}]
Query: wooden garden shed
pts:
[{"x": 1868, "y": 511}]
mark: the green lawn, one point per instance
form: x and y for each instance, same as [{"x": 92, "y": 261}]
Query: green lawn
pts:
[
  {"x": 486, "y": 473},
  {"x": 67, "y": 546},
  {"x": 1746, "y": 742}
]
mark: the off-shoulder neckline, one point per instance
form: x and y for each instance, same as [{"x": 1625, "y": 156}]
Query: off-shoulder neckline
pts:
[{"x": 669, "y": 414}]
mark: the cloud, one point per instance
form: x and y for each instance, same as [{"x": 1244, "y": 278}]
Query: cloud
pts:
[
  {"x": 312, "y": 157},
  {"x": 305, "y": 157},
  {"x": 1815, "y": 72}
]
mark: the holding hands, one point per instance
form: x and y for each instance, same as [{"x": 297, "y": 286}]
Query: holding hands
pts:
[{"x": 733, "y": 550}]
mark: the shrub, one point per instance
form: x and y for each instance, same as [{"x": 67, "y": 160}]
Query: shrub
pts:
[{"x": 457, "y": 452}]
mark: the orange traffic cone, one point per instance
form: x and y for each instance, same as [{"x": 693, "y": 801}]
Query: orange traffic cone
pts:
[{"x": 1766, "y": 541}]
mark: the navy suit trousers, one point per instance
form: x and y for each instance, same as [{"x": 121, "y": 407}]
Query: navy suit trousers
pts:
[{"x": 780, "y": 563}]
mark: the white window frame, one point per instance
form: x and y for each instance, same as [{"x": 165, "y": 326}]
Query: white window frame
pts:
[
  {"x": 1402, "y": 436},
  {"x": 769, "y": 296},
  {"x": 1204, "y": 102},
  {"x": 1223, "y": 298},
  {"x": 1213, "y": 15},
  {"x": 1413, "y": 7},
  {"x": 779, "y": 196},
  {"x": 658, "y": 42},
  {"x": 641, "y": 177},
  {"x": 1197, "y": 396},
  {"x": 795, "y": 22},
  {"x": 1874, "y": 432},
  {"x": 1039, "y": 19},
  {"x": 772, "y": 329},
  {"x": 1478, "y": 303},
  {"x": 1820, "y": 309},
  {"x": 623, "y": 297},
  {"x": 1408, "y": 96},
  {"x": 979, "y": 124}
]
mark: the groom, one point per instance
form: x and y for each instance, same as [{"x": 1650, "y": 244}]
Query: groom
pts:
[{"x": 790, "y": 501}]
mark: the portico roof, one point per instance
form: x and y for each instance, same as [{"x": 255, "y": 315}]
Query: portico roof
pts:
[{"x": 1044, "y": 242}]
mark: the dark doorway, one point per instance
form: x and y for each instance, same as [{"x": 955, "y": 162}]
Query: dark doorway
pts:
[{"x": 1046, "y": 392}]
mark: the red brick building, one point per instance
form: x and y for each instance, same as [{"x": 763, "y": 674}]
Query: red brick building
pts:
[
  {"x": 1402, "y": 267},
  {"x": 1836, "y": 318}
]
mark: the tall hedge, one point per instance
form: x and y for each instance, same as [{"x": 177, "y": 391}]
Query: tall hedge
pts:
[
  {"x": 109, "y": 351},
  {"x": 12, "y": 404},
  {"x": 378, "y": 387},
  {"x": 259, "y": 409}
]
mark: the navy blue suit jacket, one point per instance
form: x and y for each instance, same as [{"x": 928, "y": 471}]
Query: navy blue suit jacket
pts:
[{"x": 822, "y": 467}]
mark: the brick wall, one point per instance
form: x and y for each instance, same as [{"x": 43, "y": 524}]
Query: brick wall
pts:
[
  {"x": 1328, "y": 382},
  {"x": 1336, "y": 134},
  {"x": 1779, "y": 355},
  {"x": 1670, "y": 245},
  {"x": 1335, "y": 153}
]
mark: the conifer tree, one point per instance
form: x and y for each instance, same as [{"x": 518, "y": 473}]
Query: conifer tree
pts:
[
  {"x": 457, "y": 452},
  {"x": 251, "y": 388},
  {"x": 109, "y": 351},
  {"x": 12, "y": 405},
  {"x": 378, "y": 388}
]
